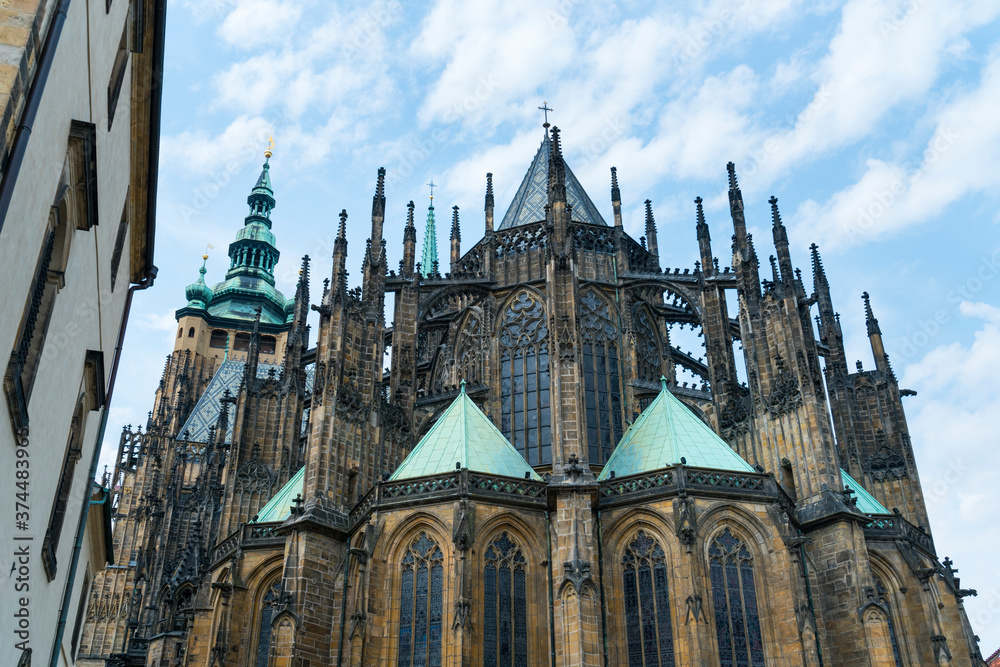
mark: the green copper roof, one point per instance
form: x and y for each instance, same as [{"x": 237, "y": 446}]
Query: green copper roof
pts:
[
  {"x": 279, "y": 507},
  {"x": 463, "y": 435},
  {"x": 666, "y": 431},
  {"x": 529, "y": 202},
  {"x": 866, "y": 501},
  {"x": 199, "y": 294},
  {"x": 430, "y": 256}
]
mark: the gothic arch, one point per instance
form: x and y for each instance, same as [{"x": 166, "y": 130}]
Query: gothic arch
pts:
[
  {"x": 524, "y": 363},
  {"x": 263, "y": 602},
  {"x": 508, "y": 521},
  {"x": 648, "y": 343},
  {"x": 751, "y": 529},
  {"x": 419, "y": 526},
  {"x": 602, "y": 376},
  {"x": 443, "y": 296},
  {"x": 264, "y": 569},
  {"x": 419, "y": 521},
  {"x": 638, "y": 518},
  {"x": 471, "y": 347},
  {"x": 533, "y": 292}
]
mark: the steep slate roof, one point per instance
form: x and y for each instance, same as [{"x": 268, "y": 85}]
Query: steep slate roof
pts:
[
  {"x": 463, "y": 434},
  {"x": 866, "y": 501},
  {"x": 206, "y": 410},
  {"x": 278, "y": 508},
  {"x": 529, "y": 202},
  {"x": 666, "y": 431}
]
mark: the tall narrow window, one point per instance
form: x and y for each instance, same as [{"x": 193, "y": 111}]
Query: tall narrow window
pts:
[
  {"x": 117, "y": 75},
  {"x": 601, "y": 382},
  {"x": 420, "y": 604},
  {"x": 647, "y": 604},
  {"x": 505, "y": 628},
  {"x": 525, "y": 416},
  {"x": 264, "y": 626},
  {"x": 734, "y": 599},
  {"x": 883, "y": 598}
]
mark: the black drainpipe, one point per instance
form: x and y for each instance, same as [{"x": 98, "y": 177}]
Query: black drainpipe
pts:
[
  {"x": 600, "y": 573},
  {"x": 20, "y": 145},
  {"x": 552, "y": 616}
]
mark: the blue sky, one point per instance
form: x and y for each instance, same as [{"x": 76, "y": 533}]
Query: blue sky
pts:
[{"x": 874, "y": 123}]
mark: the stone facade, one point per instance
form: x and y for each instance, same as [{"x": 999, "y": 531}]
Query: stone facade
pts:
[
  {"x": 79, "y": 109},
  {"x": 557, "y": 326}
]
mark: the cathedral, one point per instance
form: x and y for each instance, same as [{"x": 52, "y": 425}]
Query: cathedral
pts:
[{"x": 528, "y": 482}]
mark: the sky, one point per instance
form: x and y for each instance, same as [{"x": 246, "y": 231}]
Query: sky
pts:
[{"x": 874, "y": 123}]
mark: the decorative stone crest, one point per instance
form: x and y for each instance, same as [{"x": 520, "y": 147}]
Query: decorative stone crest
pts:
[
  {"x": 785, "y": 395},
  {"x": 351, "y": 403}
]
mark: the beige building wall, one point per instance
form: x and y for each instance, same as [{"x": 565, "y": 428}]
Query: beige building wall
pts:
[{"x": 82, "y": 312}]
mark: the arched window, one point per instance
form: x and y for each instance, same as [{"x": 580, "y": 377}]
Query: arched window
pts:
[
  {"x": 601, "y": 383},
  {"x": 883, "y": 598},
  {"x": 525, "y": 416},
  {"x": 242, "y": 342},
  {"x": 505, "y": 628},
  {"x": 191, "y": 332},
  {"x": 180, "y": 331},
  {"x": 647, "y": 347},
  {"x": 647, "y": 604},
  {"x": 420, "y": 605},
  {"x": 734, "y": 599},
  {"x": 268, "y": 344},
  {"x": 219, "y": 338},
  {"x": 264, "y": 625}
]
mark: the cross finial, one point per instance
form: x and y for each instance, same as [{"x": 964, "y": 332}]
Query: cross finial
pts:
[
  {"x": 545, "y": 109},
  {"x": 431, "y": 185}
]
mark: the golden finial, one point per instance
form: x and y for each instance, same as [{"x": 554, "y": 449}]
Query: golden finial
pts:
[
  {"x": 205, "y": 256},
  {"x": 270, "y": 146}
]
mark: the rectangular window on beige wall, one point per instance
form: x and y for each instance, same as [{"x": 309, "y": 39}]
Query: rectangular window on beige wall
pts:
[{"x": 117, "y": 75}]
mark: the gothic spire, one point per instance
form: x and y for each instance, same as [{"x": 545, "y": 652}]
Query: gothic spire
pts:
[
  {"x": 456, "y": 240},
  {"x": 870, "y": 322},
  {"x": 704, "y": 238},
  {"x": 557, "y": 170},
  {"x": 651, "y": 230},
  {"x": 489, "y": 204},
  {"x": 616, "y": 197},
  {"x": 429, "y": 260},
  {"x": 409, "y": 242},
  {"x": 781, "y": 243}
]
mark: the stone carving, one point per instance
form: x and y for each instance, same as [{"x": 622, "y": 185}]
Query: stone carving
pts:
[
  {"x": 785, "y": 395},
  {"x": 351, "y": 403}
]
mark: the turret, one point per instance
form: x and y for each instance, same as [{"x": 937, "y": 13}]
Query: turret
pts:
[
  {"x": 616, "y": 198},
  {"x": 489, "y": 204},
  {"x": 875, "y": 336},
  {"x": 786, "y": 272},
  {"x": 409, "y": 242},
  {"x": 456, "y": 241},
  {"x": 651, "y": 231},
  {"x": 704, "y": 239},
  {"x": 830, "y": 333}
]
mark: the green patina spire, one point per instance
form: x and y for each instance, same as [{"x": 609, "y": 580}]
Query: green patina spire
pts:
[
  {"x": 249, "y": 282},
  {"x": 198, "y": 293},
  {"x": 429, "y": 260}
]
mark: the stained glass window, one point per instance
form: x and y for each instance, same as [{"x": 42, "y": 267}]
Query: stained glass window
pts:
[
  {"x": 264, "y": 635},
  {"x": 647, "y": 604},
  {"x": 505, "y": 628},
  {"x": 883, "y": 598},
  {"x": 420, "y": 604},
  {"x": 734, "y": 600},
  {"x": 601, "y": 381},
  {"x": 525, "y": 414},
  {"x": 647, "y": 344}
]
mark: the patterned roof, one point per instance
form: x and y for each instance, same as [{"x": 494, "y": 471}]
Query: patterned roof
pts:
[
  {"x": 866, "y": 501},
  {"x": 529, "y": 202},
  {"x": 206, "y": 410},
  {"x": 278, "y": 508},
  {"x": 463, "y": 435},
  {"x": 666, "y": 431}
]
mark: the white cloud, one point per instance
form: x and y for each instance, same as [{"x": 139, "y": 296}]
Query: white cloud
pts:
[
  {"x": 254, "y": 23},
  {"x": 961, "y": 156},
  {"x": 958, "y": 451}
]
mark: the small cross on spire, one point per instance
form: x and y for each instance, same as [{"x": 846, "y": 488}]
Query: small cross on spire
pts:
[
  {"x": 432, "y": 184},
  {"x": 545, "y": 109}
]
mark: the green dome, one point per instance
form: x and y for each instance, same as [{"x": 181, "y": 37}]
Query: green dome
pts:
[{"x": 198, "y": 293}]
